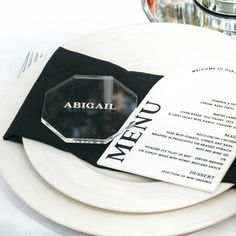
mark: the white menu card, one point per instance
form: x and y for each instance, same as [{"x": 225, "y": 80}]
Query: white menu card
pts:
[{"x": 185, "y": 131}]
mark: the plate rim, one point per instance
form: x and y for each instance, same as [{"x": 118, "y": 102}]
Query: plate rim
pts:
[{"x": 204, "y": 197}]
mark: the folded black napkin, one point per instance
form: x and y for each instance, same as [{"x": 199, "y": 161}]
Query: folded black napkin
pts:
[{"x": 61, "y": 66}]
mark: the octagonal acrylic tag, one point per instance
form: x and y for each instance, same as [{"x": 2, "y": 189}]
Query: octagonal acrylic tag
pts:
[{"x": 88, "y": 109}]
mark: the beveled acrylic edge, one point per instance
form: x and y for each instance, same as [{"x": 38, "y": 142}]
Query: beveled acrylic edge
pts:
[
  {"x": 86, "y": 140},
  {"x": 95, "y": 77}
]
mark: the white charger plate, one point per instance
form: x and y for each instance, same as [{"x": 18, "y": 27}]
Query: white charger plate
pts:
[
  {"x": 80, "y": 181},
  {"x": 20, "y": 175},
  {"x": 151, "y": 48}
]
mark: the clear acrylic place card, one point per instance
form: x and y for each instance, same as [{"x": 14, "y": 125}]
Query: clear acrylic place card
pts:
[{"x": 88, "y": 109}]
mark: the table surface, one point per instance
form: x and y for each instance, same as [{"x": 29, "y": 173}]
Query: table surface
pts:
[{"x": 42, "y": 26}]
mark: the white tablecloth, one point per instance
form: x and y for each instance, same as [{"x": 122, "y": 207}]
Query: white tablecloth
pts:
[{"x": 42, "y": 26}]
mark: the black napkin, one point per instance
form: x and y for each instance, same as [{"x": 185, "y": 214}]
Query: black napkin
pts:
[{"x": 62, "y": 65}]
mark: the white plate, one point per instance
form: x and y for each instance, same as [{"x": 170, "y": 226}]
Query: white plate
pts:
[
  {"x": 81, "y": 181},
  {"x": 152, "y": 48},
  {"x": 44, "y": 199}
]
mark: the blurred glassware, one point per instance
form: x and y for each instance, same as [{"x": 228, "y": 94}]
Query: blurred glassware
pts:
[
  {"x": 219, "y": 15},
  {"x": 225, "y": 7}
]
